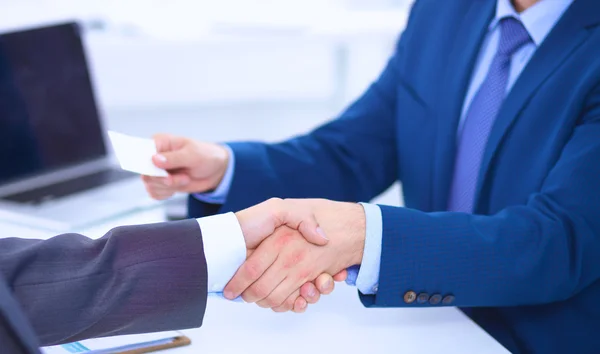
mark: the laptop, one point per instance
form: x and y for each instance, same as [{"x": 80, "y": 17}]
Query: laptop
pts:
[{"x": 56, "y": 172}]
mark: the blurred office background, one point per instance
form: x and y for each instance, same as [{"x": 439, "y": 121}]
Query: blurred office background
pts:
[{"x": 228, "y": 69}]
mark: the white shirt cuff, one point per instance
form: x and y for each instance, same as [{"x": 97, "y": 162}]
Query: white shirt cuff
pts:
[
  {"x": 368, "y": 275},
  {"x": 224, "y": 248}
]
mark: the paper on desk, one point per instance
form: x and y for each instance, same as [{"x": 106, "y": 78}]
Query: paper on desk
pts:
[
  {"x": 113, "y": 344},
  {"x": 135, "y": 154}
]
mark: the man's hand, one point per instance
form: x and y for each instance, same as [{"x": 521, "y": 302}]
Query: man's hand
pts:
[
  {"x": 277, "y": 269},
  {"x": 193, "y": 167},
  {"x": 262, "y": 220}
]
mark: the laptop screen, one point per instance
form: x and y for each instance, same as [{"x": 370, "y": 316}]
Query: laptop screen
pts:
[{"x": 48, "y": 115}]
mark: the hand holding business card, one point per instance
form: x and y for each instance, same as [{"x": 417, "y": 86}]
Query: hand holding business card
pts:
[{"x": 135, "y": 154}]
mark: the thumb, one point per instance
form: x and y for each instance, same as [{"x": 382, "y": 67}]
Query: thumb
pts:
[
  {"x": 174, "y": 159},
  {"x": 300, "y": 218},
  {"x": 310, "y": 229},
  {"x": 260, "y": 221},
  {"x": 341, "y": 276}
]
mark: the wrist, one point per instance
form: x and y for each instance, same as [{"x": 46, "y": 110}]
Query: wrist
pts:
[
  {"x": 221, "y": 159},
  {"x": 357, "y": 222}
]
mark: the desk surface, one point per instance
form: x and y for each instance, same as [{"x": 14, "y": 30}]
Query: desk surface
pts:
[{"x": 338, "y": 323}]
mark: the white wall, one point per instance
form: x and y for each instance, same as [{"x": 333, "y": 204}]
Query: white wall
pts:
[{"x": 225, "y": 70}]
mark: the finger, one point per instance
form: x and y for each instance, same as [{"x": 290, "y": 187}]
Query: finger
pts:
[
  {"x": 158, "y": 193},
  {"x": 160, "y": 196},
  {"x": 302, "y": 219},
  {"x": 341, "y": 276},
  {"x": 280, "y": 293},
  {"x": 158, "y": 187},
  {"x": 261, "y": 290},
  {"x": 179, "y": 180},
  {"x": 289, "y": 303},
  {"x": 173, "y": 159},
  {"x": 255, "y": 266},
  {"x": 325, "y": 284},
  {"x": 310, "y": 229},
  {"x": 162, "y": 142},
  {"x": 156, "y": 181},
  {"x": 310, "y": 293},
  {"x": 176, "y": 180},
  {"x": 168, "y": 142},
  {"x": 300, "y": 305}
]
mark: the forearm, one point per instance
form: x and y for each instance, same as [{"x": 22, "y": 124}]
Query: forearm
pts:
[{"x": 134, "y": 279}]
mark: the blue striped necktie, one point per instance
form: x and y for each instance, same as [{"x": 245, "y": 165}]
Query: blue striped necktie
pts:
[{"x": 481, "y": 116}]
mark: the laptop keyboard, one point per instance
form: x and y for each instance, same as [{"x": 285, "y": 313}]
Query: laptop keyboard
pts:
[{"x": 69, "y": 187}]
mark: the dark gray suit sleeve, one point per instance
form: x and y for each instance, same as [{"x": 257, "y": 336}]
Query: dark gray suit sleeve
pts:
[{"x": 134, "y": 279}]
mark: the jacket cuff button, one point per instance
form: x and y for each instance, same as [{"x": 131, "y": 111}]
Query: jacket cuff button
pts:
[
  {"x": 410, "y": 297},
  {"x": 435, "y": 299},
  {"x": 448, "y": 299}
]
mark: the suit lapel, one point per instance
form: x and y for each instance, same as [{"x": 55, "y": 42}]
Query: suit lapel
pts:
[
  {"x": 461, "y": 62},
  {"x": 568, "y": 34}
]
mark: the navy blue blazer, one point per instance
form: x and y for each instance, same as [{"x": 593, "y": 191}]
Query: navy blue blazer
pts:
[{"x": 527, "y": 263}]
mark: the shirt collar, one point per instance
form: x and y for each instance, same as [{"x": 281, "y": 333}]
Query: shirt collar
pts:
[{"x": 538, "y": 20}]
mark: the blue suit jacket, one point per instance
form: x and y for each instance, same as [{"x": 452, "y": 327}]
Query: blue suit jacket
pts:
[{"x": 527, "y": 264}]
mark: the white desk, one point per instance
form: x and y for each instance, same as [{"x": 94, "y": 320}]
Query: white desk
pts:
[{"x": 337, "y": 324}]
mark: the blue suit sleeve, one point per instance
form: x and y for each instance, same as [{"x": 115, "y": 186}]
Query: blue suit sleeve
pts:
[{"x": 544, "y": 251}]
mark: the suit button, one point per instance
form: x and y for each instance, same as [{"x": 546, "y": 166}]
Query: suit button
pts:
[
  {"x": 435, "y": 299},
  {"x": 448, "y": 299},
  {"x": 422, "y": 298},
  {"x": 410, "y": 297}
]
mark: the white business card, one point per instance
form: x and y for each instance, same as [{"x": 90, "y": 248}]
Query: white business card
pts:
[{"x": 135, "y": 154}]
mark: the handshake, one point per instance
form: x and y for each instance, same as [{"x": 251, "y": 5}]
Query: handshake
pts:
[{"x": 293, "y": 245}]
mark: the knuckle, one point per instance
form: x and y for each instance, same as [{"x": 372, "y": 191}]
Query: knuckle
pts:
[
  {"x": 274, "y": 201},
  {"x": 284, "y": 308},
  {"x": 305, "y": 290},
  {"x": 274, "y": 209},
  {"x": 246, "y": 297},
  {"x": 284, "y": 240},
  {"x": 262, "y": 304},
  {"x": 303, "y": 276},
  {"x": 259, "y": 291},
  {"x": 252, "y": 270},
  {"x": 294, "y": 258},
  {"x": 286, "y": 237},
  {"x": 274, "y": 302}
]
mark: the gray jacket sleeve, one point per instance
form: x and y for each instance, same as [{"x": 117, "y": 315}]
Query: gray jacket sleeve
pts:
[{"x": 134, "y": 279}]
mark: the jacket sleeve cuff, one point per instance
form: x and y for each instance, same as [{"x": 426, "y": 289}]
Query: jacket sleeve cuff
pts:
[{"x": 224, "y": 248}]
